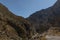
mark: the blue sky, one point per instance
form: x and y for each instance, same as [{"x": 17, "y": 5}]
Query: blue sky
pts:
[{"x": 26, "y": 7}]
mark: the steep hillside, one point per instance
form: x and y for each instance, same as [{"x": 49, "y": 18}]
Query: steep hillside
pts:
[
  {"x": 44, "y": 19},
  {"x": 13, "y": 27}
]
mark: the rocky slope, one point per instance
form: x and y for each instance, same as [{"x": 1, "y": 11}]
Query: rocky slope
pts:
[
  {"x": 52, "y": 34},
  {"x": 44, "y": 19},
  {"x": 13, "y": 27}
]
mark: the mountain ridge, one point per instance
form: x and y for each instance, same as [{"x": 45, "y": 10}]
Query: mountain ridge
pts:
[{"x": 46, "y": 18}]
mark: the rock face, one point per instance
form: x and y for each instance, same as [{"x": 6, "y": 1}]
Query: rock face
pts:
[
  {"x": 13, "y": 27},
  {"x": 44, "y": 19}
]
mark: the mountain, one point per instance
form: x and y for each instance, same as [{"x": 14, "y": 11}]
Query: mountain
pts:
[
  {"x": 39, "y": 26},
  {"x": 44, "y": 19},
  {"x": 13, "y": 27}
]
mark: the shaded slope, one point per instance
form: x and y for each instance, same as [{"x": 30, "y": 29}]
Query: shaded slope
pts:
[{"x": 44, "y": 19}]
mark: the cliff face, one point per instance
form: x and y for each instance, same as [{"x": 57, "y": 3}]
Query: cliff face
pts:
[
  {"x": 44, "y": 19},
  {"x": 13, "y": 27}
]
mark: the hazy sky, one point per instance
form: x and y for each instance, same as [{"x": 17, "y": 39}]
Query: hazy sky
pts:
[{"x": 26, "y": 7}]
